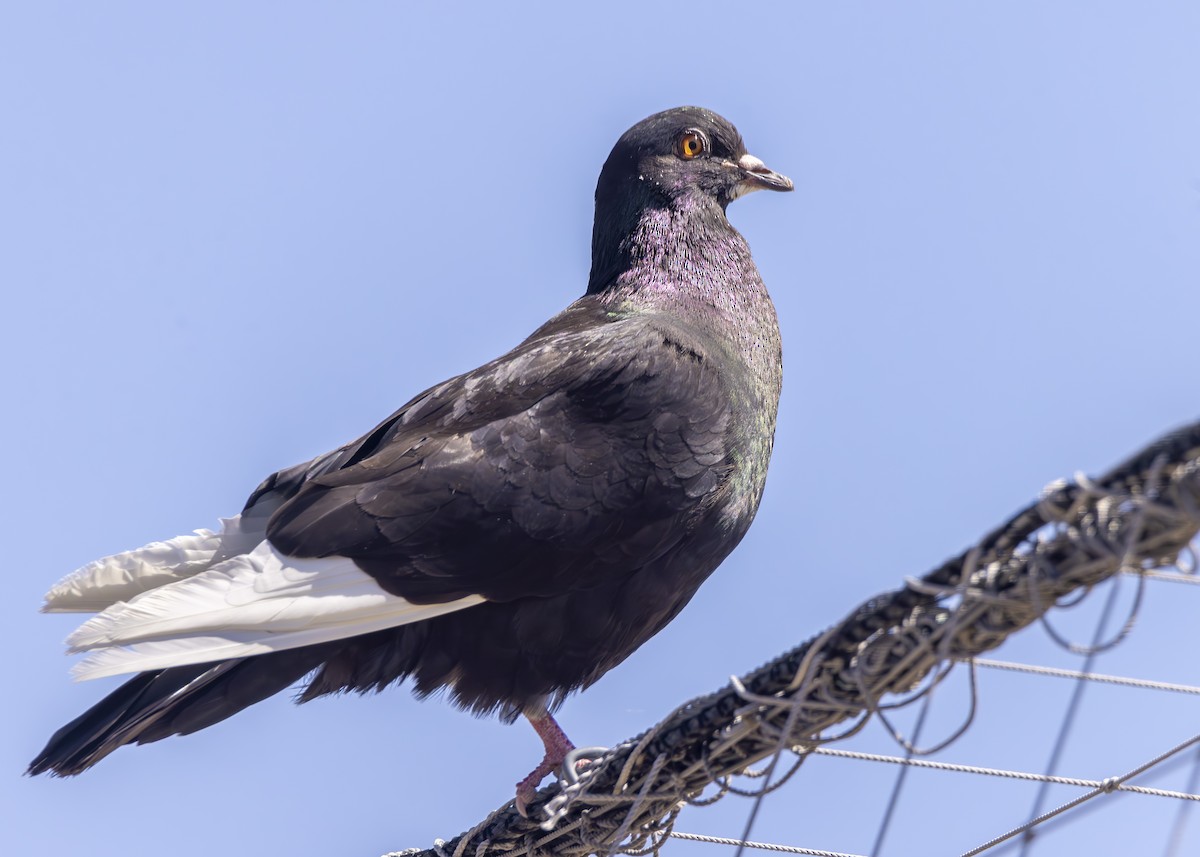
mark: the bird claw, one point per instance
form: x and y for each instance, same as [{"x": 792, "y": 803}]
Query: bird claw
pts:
[
  {"x": 524, "y": 795},
  {"x": 527, "y": 788},
  {"x": 575, "y": 762}
]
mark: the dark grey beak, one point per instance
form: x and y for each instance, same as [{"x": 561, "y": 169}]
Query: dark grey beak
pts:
[{"x": 756, "y": 176}]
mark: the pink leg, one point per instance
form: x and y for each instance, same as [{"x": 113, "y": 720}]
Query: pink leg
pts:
[{"x": 557, "y": 746}]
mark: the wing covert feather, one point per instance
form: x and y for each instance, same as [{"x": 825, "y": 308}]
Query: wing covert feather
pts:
[{"x": 575, "y": 457}]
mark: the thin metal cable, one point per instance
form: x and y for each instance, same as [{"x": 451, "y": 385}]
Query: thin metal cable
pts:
[
  {"x": 633, "y": 809},
  {"x": 1068, "y": 720},
  {"x": 1078, "y": 534},
  {"x": 1175, "y": 843},
  {"x": 894, "y": 799},
  {"x": 1098, "y": 787},
  {"x": 1108, "y": 786},
  {"x": 799, "y": 682},
  {"x": 758, "y": 799},
  {"x": 1093, "y": 651},
  {"x": 764, "y": 846},
  {"x": 1001, "y": 772},
  {"x": 744, "y": 841},
  {"x": 1077, "y": 815},
  {"x": 1169, "y": 576},
  {"x": 1034, "y": 669}
]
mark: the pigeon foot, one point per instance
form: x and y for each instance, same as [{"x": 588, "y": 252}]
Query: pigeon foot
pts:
[{"x": 557, "y": 745}]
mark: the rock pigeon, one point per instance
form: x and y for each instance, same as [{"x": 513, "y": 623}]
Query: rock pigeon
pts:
[{"x": 509, "y": 535}]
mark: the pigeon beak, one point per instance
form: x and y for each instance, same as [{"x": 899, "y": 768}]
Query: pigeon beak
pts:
[{"x": 757, "y": 176}]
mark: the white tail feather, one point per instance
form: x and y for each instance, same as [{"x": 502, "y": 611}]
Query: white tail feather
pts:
[
  {"x": 121, "y": 576},
  {"x": 246, "y": 605}
]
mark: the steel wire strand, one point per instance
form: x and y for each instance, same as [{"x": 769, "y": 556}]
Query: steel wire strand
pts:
[{"x": 1075, "y": 536}]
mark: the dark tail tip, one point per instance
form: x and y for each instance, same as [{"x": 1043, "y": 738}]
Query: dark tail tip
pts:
[
  {"x": 175, "y": 701},
  {"x": 108, "y": 724}
]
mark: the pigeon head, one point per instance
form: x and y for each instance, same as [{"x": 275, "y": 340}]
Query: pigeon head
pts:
[
  {"x": 688, "y": 159},
  {"x": 685, "y": 152}
]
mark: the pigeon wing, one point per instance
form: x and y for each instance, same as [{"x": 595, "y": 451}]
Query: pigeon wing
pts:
[{"x": 589, "y": 450}]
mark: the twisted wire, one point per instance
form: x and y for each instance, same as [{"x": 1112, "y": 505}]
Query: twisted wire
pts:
[
  {"x": 1003, "y": 773},
  {"x": 1108, "y": 786},
  {"x": 762, "y": 846},
  {"x": 1055, "y": 672},
  {"x": 1140, "y": 516}
]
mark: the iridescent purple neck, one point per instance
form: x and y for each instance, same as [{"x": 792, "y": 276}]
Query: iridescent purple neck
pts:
[{"x": 687, "y": 255}]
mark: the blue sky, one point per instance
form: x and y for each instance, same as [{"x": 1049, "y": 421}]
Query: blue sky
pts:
[{"x": 237, "y": 235}]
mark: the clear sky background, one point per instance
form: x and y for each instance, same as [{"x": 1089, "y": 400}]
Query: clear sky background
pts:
[{"x": 236, "y": 235}]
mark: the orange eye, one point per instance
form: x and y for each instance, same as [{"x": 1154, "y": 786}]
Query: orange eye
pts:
[{"x": 691, "y": 145}]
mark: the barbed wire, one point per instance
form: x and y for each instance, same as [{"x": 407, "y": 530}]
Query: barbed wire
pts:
[{"x": 1140, "y": 517}]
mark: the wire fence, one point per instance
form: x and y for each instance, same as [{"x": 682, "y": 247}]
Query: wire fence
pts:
[{"x": 1139, "y": 518}]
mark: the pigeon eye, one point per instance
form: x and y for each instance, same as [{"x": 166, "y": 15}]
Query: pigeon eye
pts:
[{"x": 691, "y": 145}]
